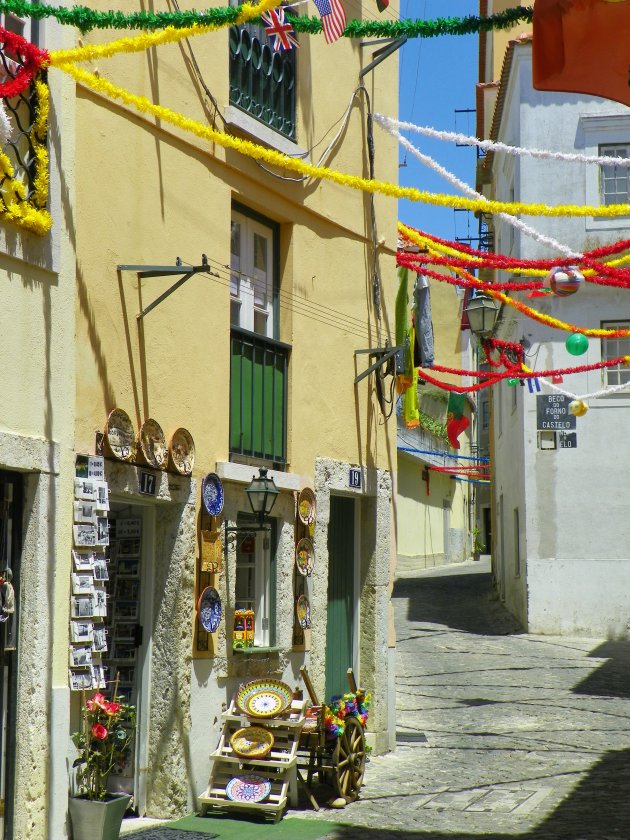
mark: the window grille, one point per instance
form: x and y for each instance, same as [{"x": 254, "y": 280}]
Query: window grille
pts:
[{"x": 262, "y": 82}]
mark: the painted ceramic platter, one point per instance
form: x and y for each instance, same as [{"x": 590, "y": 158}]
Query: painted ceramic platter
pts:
[
  {"x": 306, "y": 506},
  {"x": 264, "y": 698},
  {"x": 252, "y": 742},
  {"x": 304, "y": 556},
  {"x": 119, "y": 435},
  {"x": 182, "y": 451},
  {"x": 248, "y": 788},
  {"x": 153, "y": 443},
  {"x": 209, "y": 609},
  {"x": 303, "y": 612},
  {"x": 212, "y": 494}
]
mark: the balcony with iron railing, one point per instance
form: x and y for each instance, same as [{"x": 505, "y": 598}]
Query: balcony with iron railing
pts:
[
  {"x": 258, "y": 398},
  {"x": 262, "y": 82}
]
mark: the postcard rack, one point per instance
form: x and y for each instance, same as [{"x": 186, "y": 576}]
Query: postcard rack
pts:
[{"x": 279, "y": 767}]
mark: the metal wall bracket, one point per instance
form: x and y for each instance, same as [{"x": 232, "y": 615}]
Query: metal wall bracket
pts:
[
  {"x": 382, "y": 355},
  {"x": 383, "y": 53},
  {"x": 186, "y": 273}
]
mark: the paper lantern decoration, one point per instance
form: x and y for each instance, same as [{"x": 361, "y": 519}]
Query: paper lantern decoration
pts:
[
  {"x": 576, "y": 344},
  {"x": 565, "y": 281},
  {"x": 578, "y": 408}
]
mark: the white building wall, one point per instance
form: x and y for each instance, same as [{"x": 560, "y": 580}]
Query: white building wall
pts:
[{"x": 573, "y": 503}]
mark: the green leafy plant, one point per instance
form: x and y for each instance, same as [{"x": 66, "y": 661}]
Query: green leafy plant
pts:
[
  {"x": 478, "y": 544},
  {"x": 433, "y": 426},
  {"x": 104, "y": 743}
]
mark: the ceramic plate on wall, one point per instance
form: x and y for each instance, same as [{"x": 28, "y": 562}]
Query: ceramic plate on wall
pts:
[
  {"x": 306, "y": 506},
  {"x": 304, "y": 556},
  {"x": 303, "y": 612},
  {"x": 209, "y": 609},
  {"x": 264, "y": 698},
  {"x": 182, "y": 451},
  {"x": 212, "y": 494},
  {"x": 119, "y": 435},
  {"x": 249, "y": 788},
  {"x": 153, "y": 443},
  {"x": 252, "y": 742}
]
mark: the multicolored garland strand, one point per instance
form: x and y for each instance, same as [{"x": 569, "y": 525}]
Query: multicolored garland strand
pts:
[
  {"x": 85, "y": 19},
  {"x": 352, "y": 704}
]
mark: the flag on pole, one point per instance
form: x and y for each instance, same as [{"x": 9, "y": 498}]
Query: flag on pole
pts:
[
  {"x": 277, "y": 27},
  {"x": 333, "y": 18}
]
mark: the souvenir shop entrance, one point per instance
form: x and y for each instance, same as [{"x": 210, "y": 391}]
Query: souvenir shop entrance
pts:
[
  {"x": 127, "y": 663},
  {"x": 10, "y": 552}
]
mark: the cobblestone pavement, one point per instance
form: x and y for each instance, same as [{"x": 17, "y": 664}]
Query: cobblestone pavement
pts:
[{"x": 500, "y": 734}]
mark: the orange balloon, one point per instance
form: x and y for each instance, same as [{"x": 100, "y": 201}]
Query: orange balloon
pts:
[{"x": 581, "y": 46}]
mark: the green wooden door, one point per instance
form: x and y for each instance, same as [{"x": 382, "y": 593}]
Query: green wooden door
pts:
[{"x": 341, "y": 596}]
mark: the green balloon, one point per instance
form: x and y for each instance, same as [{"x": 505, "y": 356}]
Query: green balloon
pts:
[{"x": 576, "y": 344}]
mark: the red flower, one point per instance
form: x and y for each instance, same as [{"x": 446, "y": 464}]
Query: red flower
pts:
[
  {"x": 113, "y": 708},
  {"x": 99, "y": 732}
]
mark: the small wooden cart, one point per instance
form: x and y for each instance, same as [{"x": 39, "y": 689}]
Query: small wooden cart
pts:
[{"x": 339, "y": 762}]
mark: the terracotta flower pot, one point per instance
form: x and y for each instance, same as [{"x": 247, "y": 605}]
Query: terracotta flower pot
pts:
[{"x": 97, "y": 820}]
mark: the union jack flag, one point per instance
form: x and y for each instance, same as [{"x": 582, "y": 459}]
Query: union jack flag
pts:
[
  {"x": 333, "y": 18},
  {"x": 276, "y": 25}
]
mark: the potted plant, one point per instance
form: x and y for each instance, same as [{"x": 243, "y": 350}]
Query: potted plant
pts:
[
  {"x": 478, "y": 544},
  {"x": 104, "y": 743}
]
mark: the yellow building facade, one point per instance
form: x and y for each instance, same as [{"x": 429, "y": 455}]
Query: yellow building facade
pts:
[{"x": 191, "y": 285}]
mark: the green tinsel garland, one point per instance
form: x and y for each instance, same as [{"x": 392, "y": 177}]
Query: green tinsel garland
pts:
[{"x": 85, "y": 19}]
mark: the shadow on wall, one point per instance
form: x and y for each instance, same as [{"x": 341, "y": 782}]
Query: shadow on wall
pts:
[{"x": 440, "y": 600}]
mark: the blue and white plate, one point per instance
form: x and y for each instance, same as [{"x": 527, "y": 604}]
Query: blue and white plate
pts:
[
  {"x": 212, "y": 494},
  {"x": 210, "y": 609}
]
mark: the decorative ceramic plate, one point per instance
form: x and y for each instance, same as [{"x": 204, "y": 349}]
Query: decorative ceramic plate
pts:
[
  {"x": 119, "y": 435},
  {"x": 182, "y": 450},
  {"x": 209, "y": 609},
  {"x": 212, "y": 494},
  {"x": 304, "y": 556},
  {"x": 249, "y": 788},
  {"x": 303, "y": 612},
  {"x": 153, "y": 443},
  {"x": 252, "y": 742},
  {"x": 264, "y": 698},
  {"x": 306, "y": 506}
]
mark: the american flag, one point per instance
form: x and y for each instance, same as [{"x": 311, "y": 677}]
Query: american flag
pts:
[
  {"x": 333, "y": 18},
  {"x": 276, "y": 25}
]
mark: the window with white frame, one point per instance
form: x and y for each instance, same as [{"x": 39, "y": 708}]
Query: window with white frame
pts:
[
  {"x": 614, "y": 183},
  {"x": 254, "y": 587},
  {"x": 615, "y": 348},
  {"x": 252, "y": 274}
]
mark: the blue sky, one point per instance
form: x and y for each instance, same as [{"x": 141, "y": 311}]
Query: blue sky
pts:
[{"x": 438, "y": 76}]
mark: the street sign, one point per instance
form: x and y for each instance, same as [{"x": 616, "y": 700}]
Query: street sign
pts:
[
  {"x": 552, "y": 413},
  {"x": 568, "y": 440}
]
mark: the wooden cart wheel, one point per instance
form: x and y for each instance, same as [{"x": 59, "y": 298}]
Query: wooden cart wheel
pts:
[{"x": 349, "y": 760}]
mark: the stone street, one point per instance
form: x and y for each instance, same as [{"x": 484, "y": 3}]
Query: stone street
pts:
[{"x": 500, "y": 734}]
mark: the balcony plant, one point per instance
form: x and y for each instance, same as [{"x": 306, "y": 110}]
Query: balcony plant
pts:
[{"x": 104, "y": 743}]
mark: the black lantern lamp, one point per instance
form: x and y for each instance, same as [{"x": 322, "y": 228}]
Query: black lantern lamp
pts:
[
  {"x": 482, "y": 313},
  {"x": 262, "y": 494}
]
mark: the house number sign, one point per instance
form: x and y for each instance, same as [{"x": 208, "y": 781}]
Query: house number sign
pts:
[{"x": 354, "y": 478}]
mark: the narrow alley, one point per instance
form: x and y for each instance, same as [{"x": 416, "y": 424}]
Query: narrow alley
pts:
[{"x": 500, "y": 734}]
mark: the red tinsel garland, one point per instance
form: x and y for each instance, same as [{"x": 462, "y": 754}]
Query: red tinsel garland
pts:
[{"x": 32, "y": 57}]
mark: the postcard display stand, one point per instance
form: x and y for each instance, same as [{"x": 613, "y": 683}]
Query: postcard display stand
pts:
[
  {"x": 88, "y": 606},
  {"x": 279, "y": 767}
]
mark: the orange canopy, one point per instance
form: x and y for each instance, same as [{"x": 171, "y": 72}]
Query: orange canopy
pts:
[{"x": 583, "y": 46}]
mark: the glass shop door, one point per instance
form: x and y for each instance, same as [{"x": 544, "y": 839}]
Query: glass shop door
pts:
[
  {"x": 10, "y": 551},
  {"x": 127, "y": 630}
]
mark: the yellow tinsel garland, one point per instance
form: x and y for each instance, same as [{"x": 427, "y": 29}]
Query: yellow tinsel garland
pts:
[
  {"x": 246, "y": 147},
  {"x": 170, "y": 35}
]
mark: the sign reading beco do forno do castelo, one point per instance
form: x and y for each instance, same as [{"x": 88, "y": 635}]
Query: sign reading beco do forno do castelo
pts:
[{"x": 552, "y": 413}]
